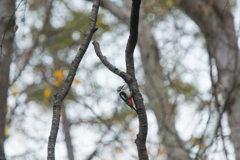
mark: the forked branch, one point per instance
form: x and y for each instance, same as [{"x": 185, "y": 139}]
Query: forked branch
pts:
[{"x": 129, "y": 78}]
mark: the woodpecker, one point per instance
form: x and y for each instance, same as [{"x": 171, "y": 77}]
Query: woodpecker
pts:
[{"x": 126, "y": 97}]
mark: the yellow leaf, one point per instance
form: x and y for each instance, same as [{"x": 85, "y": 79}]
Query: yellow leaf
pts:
[
  {"x": 161, "y": 151},
  {"x": 15, "y": 93},
  {"x": 15, "y": 90},
  {"x": 194, "y": 139},
  {"x": 47, "y": 92},
  {"x": 169, "y": 2},
  {"x": 59, "y": 77},
  {"x": 76, "y": 81},
  {"x": 177, "y": 1},
  {"x": 202, "y": 146},
  {"x": 130, "y": 130},
  {"x": 56, "y": 83},
  {"x": 6, "y": 131},
  {"x": 148, "y": 5},
  {"x": 58, "y": 74},
  {"x": 9, "y": 107},
  {"x": 162, "y": 11}
]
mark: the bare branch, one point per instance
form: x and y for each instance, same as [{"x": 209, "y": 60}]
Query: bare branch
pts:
[
  {"x": 204, "y": 132},
  {"x": 68, "y": 82},
  {"x": 104, "y": 60},
  {"x": 133, "y": 85},
  {"x": 132, "y": 40}
]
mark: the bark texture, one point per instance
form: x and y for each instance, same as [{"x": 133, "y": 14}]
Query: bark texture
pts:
[
  {"x": 7, "y": 22},
  {"x": 215, "y": 20},
  {"x": 133, "y": 85}
]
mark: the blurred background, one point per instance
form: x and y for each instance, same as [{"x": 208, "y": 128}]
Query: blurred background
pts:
[{"x": 184, "y": 67}]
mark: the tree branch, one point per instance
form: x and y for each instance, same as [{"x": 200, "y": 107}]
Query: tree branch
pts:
[
  {"x": 104, "y": 60},
  {"x": 68, "y": 82},
  {"x": 114, "y": 9},
  {"x": 35, "y": 42},
  {"x": 130, "y": 79},
  {"x": 133, "y": 86},
  {"x": 132, "y": 40}
]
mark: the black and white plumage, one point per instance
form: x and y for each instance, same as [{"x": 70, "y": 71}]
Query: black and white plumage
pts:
[{"x": 126, "y": 97}]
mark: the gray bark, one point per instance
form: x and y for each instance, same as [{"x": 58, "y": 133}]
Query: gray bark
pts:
[
  {"x": 158, "y": 96},
  {"x": 7, "y": 22},
  {"x": 216, "y": 22}
]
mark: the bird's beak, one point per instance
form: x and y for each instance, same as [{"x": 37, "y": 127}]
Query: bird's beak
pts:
[{"x": 122, "y": 86}]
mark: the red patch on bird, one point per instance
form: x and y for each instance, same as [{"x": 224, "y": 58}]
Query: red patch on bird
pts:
[{"x": 130, "y": 101}]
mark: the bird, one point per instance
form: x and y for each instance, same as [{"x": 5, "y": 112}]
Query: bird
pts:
[{"x": 126, "y": 97}]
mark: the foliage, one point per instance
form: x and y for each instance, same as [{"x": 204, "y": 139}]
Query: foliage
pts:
[{"x": 92, "y": 104}]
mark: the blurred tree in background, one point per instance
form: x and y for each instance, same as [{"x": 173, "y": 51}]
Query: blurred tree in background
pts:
[{"x": 186, "y": 65}]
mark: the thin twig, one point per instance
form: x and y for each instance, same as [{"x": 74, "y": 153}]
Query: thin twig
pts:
[
  {"x": 204, "y": 132},
  {"x": 35, "y": 43},
  {"x": 223, "y": 143}
]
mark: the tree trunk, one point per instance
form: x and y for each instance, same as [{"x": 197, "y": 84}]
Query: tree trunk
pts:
[
  {"x": 7, "y": 8},
  {"x": 216, "y": 22},
  {"x": 157, "y": 94},
  {"x": 66, "y": 129}
]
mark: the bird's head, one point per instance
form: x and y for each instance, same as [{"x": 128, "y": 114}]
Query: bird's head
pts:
[{"x": 120, "y": 88}]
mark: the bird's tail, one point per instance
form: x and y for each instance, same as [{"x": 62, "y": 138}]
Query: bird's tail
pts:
[{"x": 134, "y": 109}]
